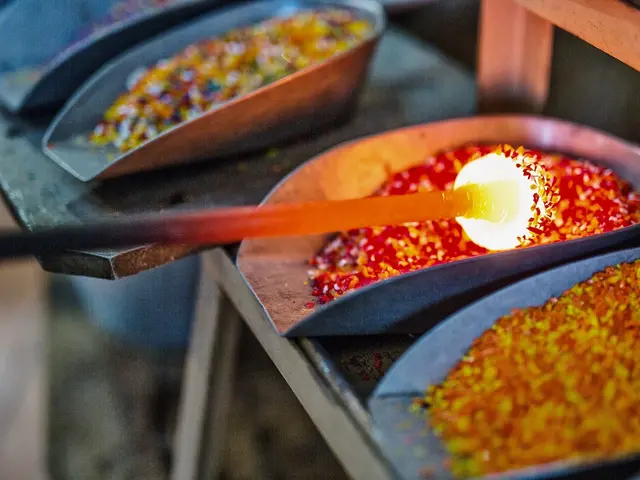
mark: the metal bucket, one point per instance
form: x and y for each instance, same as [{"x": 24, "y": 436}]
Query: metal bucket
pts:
[{"x": 152, "y": 309}]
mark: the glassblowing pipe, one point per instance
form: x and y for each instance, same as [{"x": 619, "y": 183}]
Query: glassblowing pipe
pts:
[{"x": 491, "y": 199}]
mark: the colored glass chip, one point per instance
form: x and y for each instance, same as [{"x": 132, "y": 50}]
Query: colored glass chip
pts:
[
  {"x": 211, "y": 72},
  {"x": 592, "y": 200}
]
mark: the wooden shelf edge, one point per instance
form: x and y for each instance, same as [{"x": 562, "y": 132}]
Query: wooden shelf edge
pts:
[{"x": 612, "y": 26}]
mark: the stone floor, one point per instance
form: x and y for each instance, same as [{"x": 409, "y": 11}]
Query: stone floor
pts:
[{"x": 112, "y": 410}]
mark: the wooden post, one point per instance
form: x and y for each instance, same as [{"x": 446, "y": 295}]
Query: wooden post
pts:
[
  {"x": 207, "y": 384},
  {"x": 612, "y": 26},
  {"x": 514, "y": 58},
  {"x": 23, "y": 367}
]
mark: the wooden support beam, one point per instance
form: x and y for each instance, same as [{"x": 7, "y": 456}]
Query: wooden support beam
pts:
[
  {"x": 514, "y": 58},
  {"x": 613, "y": 26}
]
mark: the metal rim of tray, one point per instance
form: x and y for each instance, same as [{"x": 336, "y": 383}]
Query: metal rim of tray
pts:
[{"x": 403, "y": 6}]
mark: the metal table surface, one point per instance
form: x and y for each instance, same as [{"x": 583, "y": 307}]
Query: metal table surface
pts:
[{"x": 409, "y": 83}]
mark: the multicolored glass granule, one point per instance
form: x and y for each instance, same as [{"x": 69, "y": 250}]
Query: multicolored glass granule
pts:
[
  {"x": 211, "y": 72},
  {"x": 550, "y": 383},
  {"x": 592, "y": 200}
]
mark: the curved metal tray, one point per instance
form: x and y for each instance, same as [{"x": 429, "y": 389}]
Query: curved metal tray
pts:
[
  {"x": 404, "y": 437},
  {"x": 297, "y": 104},
  {"x": 277, "y": 269},
  {"x": 51, "y": 85}
]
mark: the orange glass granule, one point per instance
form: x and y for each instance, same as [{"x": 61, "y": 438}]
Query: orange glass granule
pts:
[{"x": 550, "y": 383}]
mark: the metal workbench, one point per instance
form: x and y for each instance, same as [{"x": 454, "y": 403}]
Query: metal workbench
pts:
[{"x": 331, "y": 377}]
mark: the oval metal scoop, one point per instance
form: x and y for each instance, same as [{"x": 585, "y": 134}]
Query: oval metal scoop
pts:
[
  {"x": 315, "y": 97},
  {"x": 405, "y": 437}
]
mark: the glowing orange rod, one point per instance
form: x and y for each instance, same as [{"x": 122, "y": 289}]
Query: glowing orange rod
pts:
[
  {"x": 228, "y": 225},
  {"x": 496, "y": 214}
]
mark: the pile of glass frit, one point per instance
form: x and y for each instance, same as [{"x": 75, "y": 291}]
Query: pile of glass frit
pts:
[{"x": 211, "y": 72}]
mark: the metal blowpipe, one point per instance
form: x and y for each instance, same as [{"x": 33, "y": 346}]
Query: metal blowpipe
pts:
[{"x": 230, "y": 225}]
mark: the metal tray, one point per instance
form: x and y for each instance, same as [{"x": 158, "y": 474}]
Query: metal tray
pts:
[
  {"x": 42, "y": 87},
  {"x": 404, "y": 437},
  {"x": 297, "y": 104},
  {"x": 276, "y": 269}
]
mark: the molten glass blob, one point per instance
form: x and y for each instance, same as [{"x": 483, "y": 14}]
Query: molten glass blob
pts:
[{"x": 512, "y": 199}]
